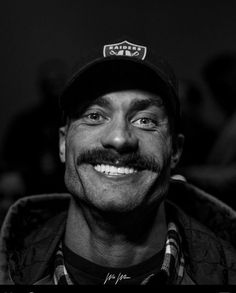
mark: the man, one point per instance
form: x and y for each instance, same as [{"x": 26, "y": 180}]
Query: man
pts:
[{"x": 121, "y": 223}]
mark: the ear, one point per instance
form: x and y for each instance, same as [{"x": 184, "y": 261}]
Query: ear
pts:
[
  {"x": 62, "y": 144},
  {"x": 178, "y": 144}
]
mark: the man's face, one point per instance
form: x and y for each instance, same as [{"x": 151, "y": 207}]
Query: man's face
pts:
[{"x": 118, "y": 152}]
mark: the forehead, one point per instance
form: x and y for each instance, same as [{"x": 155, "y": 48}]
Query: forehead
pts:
[{"x": 129, "y": 99}]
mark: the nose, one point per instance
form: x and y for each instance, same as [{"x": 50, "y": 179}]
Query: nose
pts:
[{"x": 119, "y": 136}]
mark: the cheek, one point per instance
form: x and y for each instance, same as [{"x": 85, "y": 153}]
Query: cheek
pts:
[
  {"x": 77, "y": 140},
  {"x": 71, "y": 149},
  {"x": 158, "y": 145},
  {"x": 80, "y": 137},
  {"x": 74, "y": 146}
]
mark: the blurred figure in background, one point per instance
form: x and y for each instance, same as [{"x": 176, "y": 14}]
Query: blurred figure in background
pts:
[
  {"x": 217, "y": 174},
  {"x": 30, "y": 163},
  {"x": 196, "y": 126}
]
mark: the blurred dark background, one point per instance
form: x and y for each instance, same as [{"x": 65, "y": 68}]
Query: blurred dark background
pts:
[{"x": 42, "y": 40}]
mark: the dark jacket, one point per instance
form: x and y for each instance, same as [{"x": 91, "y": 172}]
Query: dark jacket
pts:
[{"x": 34, "y": 226}]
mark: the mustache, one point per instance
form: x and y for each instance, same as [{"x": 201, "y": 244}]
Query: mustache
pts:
[{"x": 135, "y": 160}]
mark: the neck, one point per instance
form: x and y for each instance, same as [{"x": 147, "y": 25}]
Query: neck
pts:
[{"x": 115, "y": 240}]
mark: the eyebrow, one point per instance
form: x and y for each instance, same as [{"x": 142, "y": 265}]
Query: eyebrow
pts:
[
  {"x": 102, "y": 102},
  {"x": 144, "y": 104},
  {"x": 136, "y": 105}
]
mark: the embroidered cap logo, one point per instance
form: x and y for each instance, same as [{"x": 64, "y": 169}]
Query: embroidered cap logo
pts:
[{"x": 125, "y": 48}]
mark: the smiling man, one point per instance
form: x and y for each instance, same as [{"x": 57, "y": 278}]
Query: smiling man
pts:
[{"x": 125, "y": 220}]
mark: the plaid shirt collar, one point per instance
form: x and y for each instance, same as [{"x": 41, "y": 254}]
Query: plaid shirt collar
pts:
[{"x": 171, "y": 272}]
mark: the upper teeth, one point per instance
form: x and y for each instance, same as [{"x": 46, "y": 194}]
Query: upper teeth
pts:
[{"x": 112, "y": 170}]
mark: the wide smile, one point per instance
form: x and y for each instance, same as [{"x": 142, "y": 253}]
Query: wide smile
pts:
[{"x": 113, "y": 171}]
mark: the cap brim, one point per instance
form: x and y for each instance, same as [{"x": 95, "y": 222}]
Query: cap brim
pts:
[{"x": 111, "y": 74}]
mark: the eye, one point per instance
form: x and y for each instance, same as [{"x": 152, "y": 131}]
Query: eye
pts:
[
  {"x": 93, "y": 118},
  {"x": 145, "y": 122}
]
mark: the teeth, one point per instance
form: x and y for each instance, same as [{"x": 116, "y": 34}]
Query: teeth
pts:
[
  {"x": 98, "y": 168},
  {"x": 121, "y": 170},
  {"x": 112, "y": 170}
]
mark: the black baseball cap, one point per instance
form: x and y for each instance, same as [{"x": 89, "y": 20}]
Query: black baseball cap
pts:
[{"x": 119, "y": 65}]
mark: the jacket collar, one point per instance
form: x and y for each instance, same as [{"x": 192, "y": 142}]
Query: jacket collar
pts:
[
  {"x": 31, "y": 231},
  {"x": 35, "y": 225}
]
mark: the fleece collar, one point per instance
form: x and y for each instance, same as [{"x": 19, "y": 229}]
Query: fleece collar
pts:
[
  {"x": 31, "y": 231},
  {"x": 35, "y": 225}
]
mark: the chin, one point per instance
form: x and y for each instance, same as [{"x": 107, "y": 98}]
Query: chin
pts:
[{"x": 118, "y": 203}]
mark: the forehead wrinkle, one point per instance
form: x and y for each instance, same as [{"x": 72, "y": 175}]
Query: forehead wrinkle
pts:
[{"x": 135, "y": 105}]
